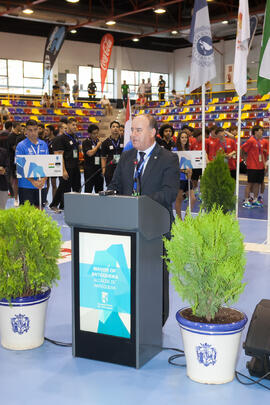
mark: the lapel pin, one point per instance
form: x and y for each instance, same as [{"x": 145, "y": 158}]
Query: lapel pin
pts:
[{"x": 155, "y": 157}]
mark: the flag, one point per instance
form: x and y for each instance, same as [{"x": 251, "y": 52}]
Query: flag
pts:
[
  {"x": 203, "y": 67},
  {"x": 263, "y": 82},
  {"x": 105, "y": 55},
  {"x": 127, "y": 124},
  {"x": 241, "y": 49},
  {"x": 52, "y": 48}
]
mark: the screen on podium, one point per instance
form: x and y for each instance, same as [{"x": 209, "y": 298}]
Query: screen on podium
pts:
[{"x": 105, "y": 283}]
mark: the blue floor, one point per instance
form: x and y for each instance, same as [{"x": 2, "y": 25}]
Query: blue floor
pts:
[{"x": 50, "y": 374}]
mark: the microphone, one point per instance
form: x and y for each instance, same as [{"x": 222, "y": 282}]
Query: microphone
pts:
[{"x": 111, "y": 162}]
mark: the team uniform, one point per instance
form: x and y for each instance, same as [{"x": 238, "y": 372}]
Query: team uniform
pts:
[
  {"x": 167, "y": 145},
  {"x": 255, "y": 160},
  {"x": 212, "y": 146},
  {"x": 27, "y": 191},
  {"x": 92, "y": 165},
  {"x": 112, "y": 150},
  {"x": 228, "y": 146}
]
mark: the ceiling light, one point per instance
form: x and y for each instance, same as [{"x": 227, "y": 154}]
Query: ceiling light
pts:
[
  {"x": 73, "y": 31},
  {"x": 225, "y": 22},
  {"x": 135, "y": 39},
  {"x": 174, "y": 32},
  {"x": 28, "y": 11},
  {"x": 160, "y": 10},
  {"x": 73, "y": 1},
  {"x": 110, "y": 22}
]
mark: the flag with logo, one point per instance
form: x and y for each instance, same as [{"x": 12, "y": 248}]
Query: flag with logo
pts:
[
  {"x": 203, "y": 67},
  {"x": 127, "y": 124},
  {"x": 106, "y": 46},
  {"x": 52, "y": 48},
  {"x": 263, "y": 82},
  {"x": 241, "y": 49}
]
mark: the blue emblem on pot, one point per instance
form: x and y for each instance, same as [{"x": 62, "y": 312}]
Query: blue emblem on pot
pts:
[
  {"x": 206, "y": 354},
  {"x": 20, "y": 324}
]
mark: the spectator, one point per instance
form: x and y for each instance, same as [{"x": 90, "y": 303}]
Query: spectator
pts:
[
  {"x": 4, "y": 134},
  {"x": 67, "y": 93},
  {"x": 41, "y": 130},
  {"x": 161, "y": 88},
  {"x": 92, "y": 90},
  {"x": 5, "y": 115},
  {"x": 125, "y": 91},
  {"x": 4, "y": 164},
  {"x": 165, "y": 140},
  {"x": 13, "y": 138},
  {"x": 75, "y": 91},
  {"x": 49, "y": 139},
  {"x": 141, "y": 88},
  {"x": 228, "y": 146},
  {"x": 111, "y": 151},
  {"x": 105, "y": 102},
  {"x": 62, "y": 92},
  {"x": 176, "y": 99},
  {"x": 148, "y": 90},
  {"x": 122, "y": 130},
  {"x": 46, "y": 101},
  {"x": 29, "y": 187},
  {"x": 141, "y": 100},
  {"x": 92, "y": 163},
  {"x": 56, "y": 94}
]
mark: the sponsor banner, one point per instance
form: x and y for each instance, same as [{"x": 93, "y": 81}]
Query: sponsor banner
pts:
[
  {"x": 105, "y": 55},
  {"x": 38, "y": 166},
  {"x": 52, "y": 49},
  {"x": 105, "y": 283},
  {"x": 190, "y": 159}
]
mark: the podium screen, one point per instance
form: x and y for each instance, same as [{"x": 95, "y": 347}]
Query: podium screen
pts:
[{"x": 105, "y": 283}]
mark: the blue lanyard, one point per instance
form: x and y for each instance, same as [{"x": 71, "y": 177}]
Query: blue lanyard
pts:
[
  {"x": 259, "y": 146},
  {"x": 224, "y": 144},
  {"x": 74, "y": 140},
  {"x": 138, "y": 172},
  {"x": 116, "y": 145}
]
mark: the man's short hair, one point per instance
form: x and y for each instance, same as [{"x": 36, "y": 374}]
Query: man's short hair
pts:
[
  {"x": 191, "y": 129},
  {"x": 219, "y": 129},
  {"x": 15, "y": 124},
  {"x": 233, "y": 128},
  {"x": 256, "y": 128},
  {"x": 122, "y": 126},
  {"x": 92, "y": 128},
  {"x": 8, "y": 125},
  {"x": 32, "y": 123},
  {"x": 64, "y": 120},
  {"x": 50, "y": 127},
  {"x": 70, "y": 120},
  {"x": 152, "y": 122},
  {"x": 41, "y": 125},
  {"x": 114, "y": 122},
  {"x": 213, "y": 128},
  {"x": 197, "y": 133}
]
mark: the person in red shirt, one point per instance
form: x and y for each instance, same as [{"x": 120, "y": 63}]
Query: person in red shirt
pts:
[
  {"x": 212, "y": 145},
  {"x": 253, "y": 148},
  {"x": 228, "y": 145},
  {"x": 189, "y": 130}
]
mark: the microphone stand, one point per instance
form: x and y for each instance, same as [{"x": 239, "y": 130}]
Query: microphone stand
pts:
[{"x": 95, "y": 173}]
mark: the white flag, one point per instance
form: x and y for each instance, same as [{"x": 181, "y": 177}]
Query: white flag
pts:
[
  {"x": 241, "y": 49},
  {"x": 203, "y": 67},
  {"x": 127, "y": 123}
]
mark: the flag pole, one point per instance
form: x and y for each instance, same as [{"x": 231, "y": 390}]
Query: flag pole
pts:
[
  {"x": 238, "y": 155},
  {"x": 203, "y": 128}
]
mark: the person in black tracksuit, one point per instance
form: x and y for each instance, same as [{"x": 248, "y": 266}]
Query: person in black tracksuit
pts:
[
  {"x": 111, "y": 150},
  {"x": 92, "y": 164},
  {"x": 67, "y": 145}
]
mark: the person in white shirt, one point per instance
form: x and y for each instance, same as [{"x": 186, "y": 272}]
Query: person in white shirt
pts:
[
  {"x": 141, "y": 88},
  {"x": 105, "y": 102}
]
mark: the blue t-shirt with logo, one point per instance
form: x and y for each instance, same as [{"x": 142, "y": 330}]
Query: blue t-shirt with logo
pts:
[{"x": 26, "y": 147}]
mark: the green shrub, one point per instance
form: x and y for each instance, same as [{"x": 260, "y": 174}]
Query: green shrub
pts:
[
  {"x": 206, "y": 258},
  {"x": 217, "y": 186},
  {"x": 30, "y": 243}
]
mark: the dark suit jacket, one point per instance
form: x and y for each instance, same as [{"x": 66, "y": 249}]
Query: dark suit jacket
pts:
[{"x": 160, "y": 180}]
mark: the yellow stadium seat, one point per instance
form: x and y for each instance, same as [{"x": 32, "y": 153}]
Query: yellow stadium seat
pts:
[
  {"x": 167, "y": 104},
  {"x": 65, "y": 105},
  {"x": 36, "y": 103},
  {"x": 33, "y": 117},
  {"x": 211, "y": 109},
  {"x": 190, "y": 101},
  {"x": 57, "y": 112},
  {"x": 267, "y": 107},
  {"x": 214, "y": 101},
  {"x": 244, "y": 116},
  {"x": 222, "y": 117},
  {"x": 188, "y": 118},
  {"x": 226, "y": 124},
  {"x": 192, "y": 124},
  {"x": 35, "y": 111},
  {"x": 93, "y": 119},
  {"x": 169, "y": 118},
  {"x": 265, "y": 97},
  {"x": 186, "y": 110},
  {"x": 141, "y": 112},
  {"x": 235, "y": 99},
  {"x": 86, "y": 105},
  {"x": 6, "y": 102},
  {"x": 246, "y": 107},
  {"x": 79, "y": 112}
]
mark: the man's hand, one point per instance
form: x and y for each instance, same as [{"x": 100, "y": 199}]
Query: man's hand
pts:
[
  {"x": 2, "y": 170},
  {"x": 39, "y": 183},
  {"x": 65, "y": 175}
]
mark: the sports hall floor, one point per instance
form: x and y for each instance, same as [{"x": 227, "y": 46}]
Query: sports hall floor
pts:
[{"x": 50, "y": 375}]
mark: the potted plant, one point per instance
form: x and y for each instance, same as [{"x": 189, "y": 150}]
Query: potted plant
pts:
[
  {"x": 205, "y": 256},
  {"x": 217, "y": 185},
  {"x": 30, "y": 243}
]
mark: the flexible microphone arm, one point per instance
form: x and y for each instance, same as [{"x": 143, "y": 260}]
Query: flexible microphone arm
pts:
[{"x": 112, "y": 162}]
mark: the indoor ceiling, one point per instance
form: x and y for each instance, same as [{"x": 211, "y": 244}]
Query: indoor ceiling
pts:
[{"x": 133, "y": 19}]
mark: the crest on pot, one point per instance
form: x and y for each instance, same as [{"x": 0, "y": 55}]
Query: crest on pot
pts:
[
  {"x": 206, "y": 354},
  {"x": 20, "y": 324}
]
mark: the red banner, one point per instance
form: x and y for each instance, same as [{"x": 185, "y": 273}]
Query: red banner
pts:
[{"x": 105, "y": 55}]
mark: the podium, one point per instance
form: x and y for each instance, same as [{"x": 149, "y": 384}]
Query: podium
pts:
[{"x": 117, "y": 276}]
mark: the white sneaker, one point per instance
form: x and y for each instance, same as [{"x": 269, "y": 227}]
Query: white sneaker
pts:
[{"x": 16, "y": 203}]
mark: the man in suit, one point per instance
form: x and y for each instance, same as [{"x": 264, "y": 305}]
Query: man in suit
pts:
[{"x": 148, "y": 169}]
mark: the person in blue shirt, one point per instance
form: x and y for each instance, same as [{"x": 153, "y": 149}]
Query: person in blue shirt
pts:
[{"x": 29, "y": 186}]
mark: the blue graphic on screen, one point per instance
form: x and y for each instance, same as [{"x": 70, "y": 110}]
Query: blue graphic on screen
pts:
[
  {"x": 105, "y": 288},
  {"x": 36, "y": 170}
]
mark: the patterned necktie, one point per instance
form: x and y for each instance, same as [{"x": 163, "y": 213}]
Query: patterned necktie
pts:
[{"x": 139, "y": 174}]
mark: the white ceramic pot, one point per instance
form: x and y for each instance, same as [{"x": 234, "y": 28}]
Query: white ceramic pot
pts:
[
  {"x": 22, "y": 324},
  {"x": 211, "y": 350}
]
